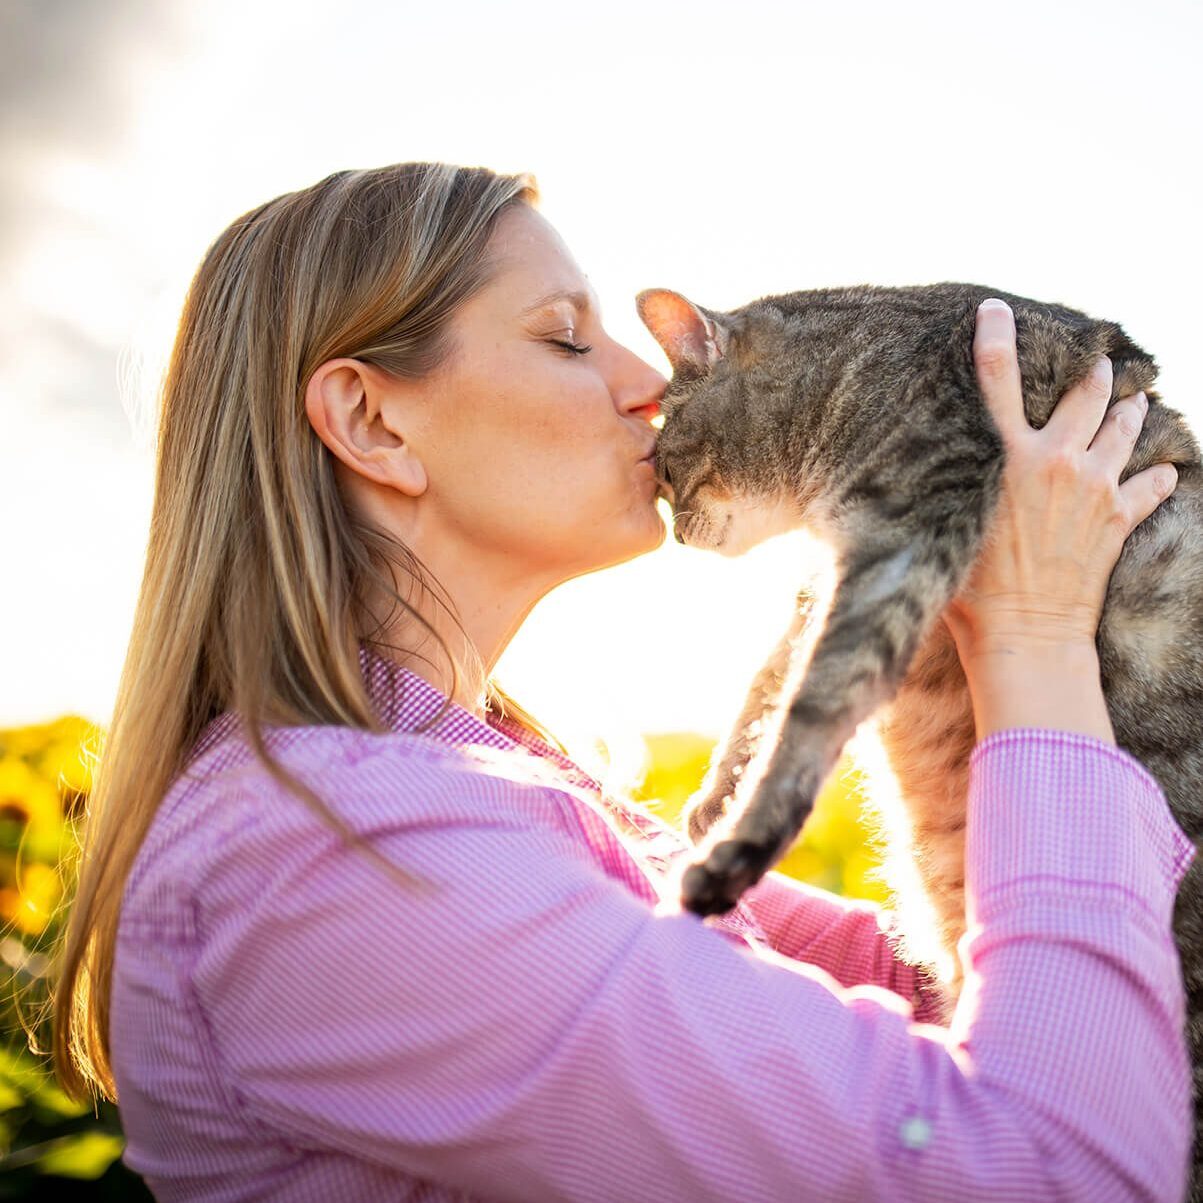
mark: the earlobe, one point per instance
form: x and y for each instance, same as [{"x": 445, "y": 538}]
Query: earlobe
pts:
[
  {"x": 347, "y": 409},
  {"x": 406, "y": 472},
  {"x": 691, "y": 339}
]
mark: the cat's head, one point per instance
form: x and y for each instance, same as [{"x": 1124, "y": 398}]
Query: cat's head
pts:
[{"x": 721, "y": 456}]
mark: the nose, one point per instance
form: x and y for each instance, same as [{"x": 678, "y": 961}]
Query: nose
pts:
[{"x": 640, "y": 387}]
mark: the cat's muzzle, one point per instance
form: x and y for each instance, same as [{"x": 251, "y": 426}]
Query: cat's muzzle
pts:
[{"x": 696, "y": 528}]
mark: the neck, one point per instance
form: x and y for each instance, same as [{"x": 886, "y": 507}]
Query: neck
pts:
[
  {"x": 490, "y": 608},
  {"x": 485, "y": 595}
]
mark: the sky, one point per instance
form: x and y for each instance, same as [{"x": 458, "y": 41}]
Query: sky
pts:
[{"x": 1048, "y": 149}]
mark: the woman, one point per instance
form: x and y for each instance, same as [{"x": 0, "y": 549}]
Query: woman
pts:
[{"x": 392, "y": 422}]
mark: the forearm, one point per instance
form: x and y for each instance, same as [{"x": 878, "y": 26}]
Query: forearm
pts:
[
  {"x": 1054, "y": 685},
  {"x": 847, "y": 937}
]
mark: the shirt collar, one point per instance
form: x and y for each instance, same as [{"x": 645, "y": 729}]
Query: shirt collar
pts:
[{"x": 407, "y": 703}]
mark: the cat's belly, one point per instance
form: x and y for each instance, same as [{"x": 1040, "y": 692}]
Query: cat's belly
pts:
[{"x": 916, "y": 757}]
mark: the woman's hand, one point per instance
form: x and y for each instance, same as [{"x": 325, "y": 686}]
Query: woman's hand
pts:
[{"x": 1026, "y": 620}]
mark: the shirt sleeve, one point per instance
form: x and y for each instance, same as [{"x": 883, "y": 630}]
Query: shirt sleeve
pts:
[
  {"x": 530, "y": 1029},
  {"x": 850, "y": 938}
]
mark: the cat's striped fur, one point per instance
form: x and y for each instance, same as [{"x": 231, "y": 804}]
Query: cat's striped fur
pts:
[{"x": 856, "y": 413}]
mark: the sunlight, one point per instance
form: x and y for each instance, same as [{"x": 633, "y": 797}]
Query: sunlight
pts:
[{"x": 897, "y": 183}]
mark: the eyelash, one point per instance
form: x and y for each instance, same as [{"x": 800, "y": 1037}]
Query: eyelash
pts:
[{"x": 573, "y": 348}]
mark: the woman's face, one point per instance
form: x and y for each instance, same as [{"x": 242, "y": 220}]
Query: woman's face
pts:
[{"x": 536, "y": 454}]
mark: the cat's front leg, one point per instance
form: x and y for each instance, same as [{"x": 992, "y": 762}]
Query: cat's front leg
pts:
[
  {"x": 715, "y": 795},
  {"x": 890, "y": 593}
]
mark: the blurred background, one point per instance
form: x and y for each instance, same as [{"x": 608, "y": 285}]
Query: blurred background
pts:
[{"x": 1049, "y": 149}]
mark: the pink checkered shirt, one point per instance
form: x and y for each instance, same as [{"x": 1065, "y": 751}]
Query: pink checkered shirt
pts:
[{"x": 290, "y": 1024}]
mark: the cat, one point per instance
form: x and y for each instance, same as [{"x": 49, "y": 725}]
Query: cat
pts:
[{"x": 855, "y": 413}]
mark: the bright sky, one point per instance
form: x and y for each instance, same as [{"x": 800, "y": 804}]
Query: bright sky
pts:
[{"x": 1047, "y": 149}]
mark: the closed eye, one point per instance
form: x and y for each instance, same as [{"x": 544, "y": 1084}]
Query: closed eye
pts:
[{"x": 574, "y": 348}]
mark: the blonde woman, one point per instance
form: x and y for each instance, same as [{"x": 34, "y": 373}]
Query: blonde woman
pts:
[{"x": 350, "y": 925}]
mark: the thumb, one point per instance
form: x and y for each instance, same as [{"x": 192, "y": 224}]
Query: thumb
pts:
[{"x": 996, "y": 362}]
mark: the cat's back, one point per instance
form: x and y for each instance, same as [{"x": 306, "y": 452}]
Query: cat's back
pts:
[
  {"x": 923, "y": 317},
  {"x": 877, "y": 334}
]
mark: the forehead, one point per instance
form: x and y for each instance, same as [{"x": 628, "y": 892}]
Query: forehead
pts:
[{"x": 533, "y": 269}]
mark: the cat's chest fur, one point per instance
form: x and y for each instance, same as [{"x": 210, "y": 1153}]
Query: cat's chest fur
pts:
[{"x": 915, "y": 757}]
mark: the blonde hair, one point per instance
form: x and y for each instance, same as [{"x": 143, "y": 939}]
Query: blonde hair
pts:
[{"x": 255, "y": 587}]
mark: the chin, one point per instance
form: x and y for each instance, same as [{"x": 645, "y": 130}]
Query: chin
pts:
[
  {"x": 643, "y": 539},
  {"x": 659, "y": 533},
  {"x": 651, "y": 537}
]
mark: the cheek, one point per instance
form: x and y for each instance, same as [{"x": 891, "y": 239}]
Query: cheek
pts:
[
  {"x": 567, "y": 453},
  {"x": 542, "y": 466},
  {"x": 516, "y": 476},
  {"x": 584, "y": 498}
]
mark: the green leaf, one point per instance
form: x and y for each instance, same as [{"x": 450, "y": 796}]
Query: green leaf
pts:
[
  {"x": 51, "y": 1096},
  {"x": 20, "y": 1072},
  {"x": 20, "y": 1068},
  {"x": 87, "y": 1155},
  {"x": 44, "y": 845}
]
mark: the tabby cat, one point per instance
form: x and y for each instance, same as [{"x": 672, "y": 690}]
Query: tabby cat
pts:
[{"x": 856, "y": 413}]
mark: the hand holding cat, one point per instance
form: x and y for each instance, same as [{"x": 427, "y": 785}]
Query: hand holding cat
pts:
[{"x": 1029, "y": 613}]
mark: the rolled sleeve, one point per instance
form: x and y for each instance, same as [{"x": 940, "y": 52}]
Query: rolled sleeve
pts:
[
  {"x": 1074, "y": 823},
  {"x": 850, "y": 938}
]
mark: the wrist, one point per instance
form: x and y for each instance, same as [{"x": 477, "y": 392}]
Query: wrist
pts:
[{"x": 1020, "y": 682}]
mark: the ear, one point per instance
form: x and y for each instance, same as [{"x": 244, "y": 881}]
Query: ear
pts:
[
  {"x": 355, "y": 412},
  {"x": 693, "y": 341}
]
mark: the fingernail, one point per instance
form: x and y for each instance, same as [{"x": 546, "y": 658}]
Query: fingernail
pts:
[
  {"x": 1142, "y": 401},
  {"x": 1167, "y": 478},
  {"x": 1101, "y": 368},
  {"x": 995, "y": 304}
]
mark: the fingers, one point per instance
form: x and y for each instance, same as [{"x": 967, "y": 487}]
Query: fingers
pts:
[
  {"x": 1080, "y": 419},
  {"x": 1079, "y": 412},
  {"x": 1112, "y": 445},
  {"x": 1145, "y": 491},
  {"x": 997, "y": 366}
]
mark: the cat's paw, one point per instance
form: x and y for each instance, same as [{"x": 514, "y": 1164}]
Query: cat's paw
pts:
[{"x": 713, "y": 887}]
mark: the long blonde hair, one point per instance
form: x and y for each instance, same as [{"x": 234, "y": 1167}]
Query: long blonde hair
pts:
[{"x": 253, "y": 596}]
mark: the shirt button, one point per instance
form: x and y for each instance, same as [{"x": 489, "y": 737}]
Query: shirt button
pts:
[{"x": 915, "y": 1132}]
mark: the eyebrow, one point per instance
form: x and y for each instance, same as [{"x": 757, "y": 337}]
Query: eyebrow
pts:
[{"x": 578, "y": 300}]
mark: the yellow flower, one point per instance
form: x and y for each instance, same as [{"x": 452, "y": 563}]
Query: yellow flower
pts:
[
  {"x": 31, "y": 905},
  {"x": 676, "y": 764},
  {"x": 860, "y": 876},
  {"x": 67, "y": 755},
  {"x": 805, "y": 864},
  {"x": 23, "y": 741},
  {"x": 29, "y": 798}
]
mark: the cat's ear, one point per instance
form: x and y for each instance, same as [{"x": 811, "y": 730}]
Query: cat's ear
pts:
[{"x": 693, "y": 341}]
